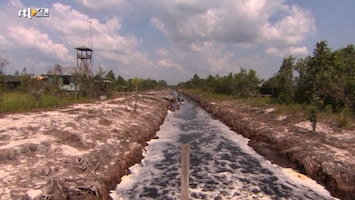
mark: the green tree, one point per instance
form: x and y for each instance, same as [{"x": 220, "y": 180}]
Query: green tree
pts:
[
  {"x": 271, "y": 82},
  {"x": 210, "y": 83},
  {"x": 318, "y": 78},
  {"x": 120, "y": 80},
  {"x": 162, "y": 84},
  {"x": 136, "y": 81},
  {"x": 195, "y": 81},
  {"x": 3, "y": 64},
  {"x": 301, "y": 80},
  {"x": 246, "y": 83},
  {"x": 285, "y": 81},
  {"x": 110, "y": 75},
  {"x": 342, "y": 85},
  {"x": 53, "y": 87}
]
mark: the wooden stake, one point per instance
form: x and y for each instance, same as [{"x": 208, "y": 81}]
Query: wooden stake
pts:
[{"x": 185, "y": 165}]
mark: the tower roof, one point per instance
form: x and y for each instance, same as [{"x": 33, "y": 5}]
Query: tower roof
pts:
[{"x": 83, "y": 48}]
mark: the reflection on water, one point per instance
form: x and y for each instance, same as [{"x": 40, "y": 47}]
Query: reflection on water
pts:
[{"x": 222, "y": 166}]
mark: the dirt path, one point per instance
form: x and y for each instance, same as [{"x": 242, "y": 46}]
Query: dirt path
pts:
[
  {"x": 80, "y": 151},
  {"x": 327, "y": 156}
]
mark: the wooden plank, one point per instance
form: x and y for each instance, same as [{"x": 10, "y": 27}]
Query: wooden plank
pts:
[{"x": 185, "y": 171}]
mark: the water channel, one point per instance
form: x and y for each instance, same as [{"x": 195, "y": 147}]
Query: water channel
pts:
[{"x": 222, "y": 165}]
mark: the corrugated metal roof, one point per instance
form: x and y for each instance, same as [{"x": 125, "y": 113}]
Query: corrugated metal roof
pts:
[{"x": 83, "y": 48}]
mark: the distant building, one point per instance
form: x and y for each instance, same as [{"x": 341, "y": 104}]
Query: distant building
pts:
[
  {"x": 10, "y": 81},
  {"x": 66, "y": 79},
  {"x": 269, "y": 91}
]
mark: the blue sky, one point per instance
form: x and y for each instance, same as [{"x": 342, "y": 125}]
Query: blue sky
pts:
[{"x": 172, "y": 40}]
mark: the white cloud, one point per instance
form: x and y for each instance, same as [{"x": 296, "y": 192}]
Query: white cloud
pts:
[
  {"x": 292, "y": 28},
  {"x": 24, "y": 42},
  {"x": 162, "y": 52},
  {"x": 32, "y": 39},
  {"x": 75, "y": 28},
  {"x": 232, "y": 21},
  {"x": 28, "y": 42},
  {"x": 205, "y": 36},
  {"x": 114, "y": 7},
  {"x": 283, "y": 52}
]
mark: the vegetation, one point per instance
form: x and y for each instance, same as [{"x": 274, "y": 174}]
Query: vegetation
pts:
[
  {"x": 323, "y": 81},
  {"x": 34, "y": 93},
  {"x": 242, "y": 84}
]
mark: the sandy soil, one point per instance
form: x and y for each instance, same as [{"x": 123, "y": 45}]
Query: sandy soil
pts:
[
  {"x": 327, "y": 156},
  {"x": 80, "y": 151}
]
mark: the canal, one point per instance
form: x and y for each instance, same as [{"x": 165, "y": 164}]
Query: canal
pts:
[{"x": 222, "y": 165}]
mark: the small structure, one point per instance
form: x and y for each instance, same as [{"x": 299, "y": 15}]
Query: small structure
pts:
[
  {"x": 65, "y": 79},
  {"x": 11, "y": 82},
  {"x": 271, "y": 92},
  {"x": 84, "y": 59}
]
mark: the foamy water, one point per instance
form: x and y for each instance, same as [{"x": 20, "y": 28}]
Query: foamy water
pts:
[{"x": 222, "y": 165}]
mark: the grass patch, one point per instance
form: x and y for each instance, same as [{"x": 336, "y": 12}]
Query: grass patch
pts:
[
  {"x": 290, "y": 109},
  {"x": 20, "y": 101},
  {"x": 344, "y": 118},
  {"x": 209, "y": 95},
  {"x": 260, "y": 101}
]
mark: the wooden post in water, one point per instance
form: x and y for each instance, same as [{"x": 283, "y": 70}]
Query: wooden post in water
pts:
[{"x": 185, "y": 171}]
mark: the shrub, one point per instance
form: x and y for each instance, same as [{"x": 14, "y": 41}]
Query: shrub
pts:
[
  {"x": 343, "y": 118},
  {"x": 261, "y": 101}
]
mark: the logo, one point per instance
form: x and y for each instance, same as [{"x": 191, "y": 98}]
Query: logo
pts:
[{"x": 33, "y": 12}]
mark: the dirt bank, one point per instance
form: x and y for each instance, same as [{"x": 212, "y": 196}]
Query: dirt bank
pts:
[
  {"x": 327, "y": 156},
  {"x": 78, "y": 152}
]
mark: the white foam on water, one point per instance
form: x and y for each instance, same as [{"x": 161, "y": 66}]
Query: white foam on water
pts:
[
  {"x": 222, "y": 166},
  {"x": 167, "y": 134}
]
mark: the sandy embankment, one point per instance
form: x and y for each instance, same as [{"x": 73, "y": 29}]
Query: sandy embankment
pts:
[
  {"x": 327, "y": 156},
  {"x": 80, "y": 151}
]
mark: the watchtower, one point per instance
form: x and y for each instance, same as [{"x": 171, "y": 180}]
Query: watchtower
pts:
[{"x": 84, "y": 59}]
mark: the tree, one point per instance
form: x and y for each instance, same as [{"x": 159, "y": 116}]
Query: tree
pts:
[
  {"x": 53, "y": 87},
  {"x": 162, "y": 84},
  {"x": 301, "y": 80},
  {"x": 120, "y": 80},
  {"x": 99, "y": 86},
  {"x": 195, "y": 81},
  {"x": 110, "y": 75},
  {"x": 285, "y": 82},
  {"x": 57, "y": 69},
  {"x": 246, "y": 83},
  {"x": 210, "y": 83},
  {"x": 271, "y": 82},
  {"x": 342, "y": 86},
  {"x": 3, "y": 64},
  {"x": 318, "y": 78},
  {"x": 84, "y": 81},
  {"x": 135, "y": 82},
  {"x": 35, "y": 87}
]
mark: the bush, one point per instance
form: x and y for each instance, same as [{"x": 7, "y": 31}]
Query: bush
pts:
[
  {"x": 343, "y": 118},
  {"x": 261, "y": 101},
  {"x": 312, "y": 113}
]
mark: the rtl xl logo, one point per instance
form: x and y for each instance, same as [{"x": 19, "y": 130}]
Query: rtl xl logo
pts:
[{"x": 33, "y": 12}]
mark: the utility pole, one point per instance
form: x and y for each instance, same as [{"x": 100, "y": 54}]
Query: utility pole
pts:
[
  {"x": 91, "y": 60},
  {"x": 90, "y": 35}
]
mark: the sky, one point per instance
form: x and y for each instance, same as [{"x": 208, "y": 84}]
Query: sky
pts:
[{"x": 172, "y": 39}]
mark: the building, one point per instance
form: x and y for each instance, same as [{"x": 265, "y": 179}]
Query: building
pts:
[
  {"x": 11, "y": 82},
  {"x": 65, "y": 78}
]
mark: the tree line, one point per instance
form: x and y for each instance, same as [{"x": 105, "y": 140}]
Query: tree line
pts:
[
  {"x": 323, "y": 80},
  {"x": 242, "y": 84},
  {"x": 88, "y": 84}
]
